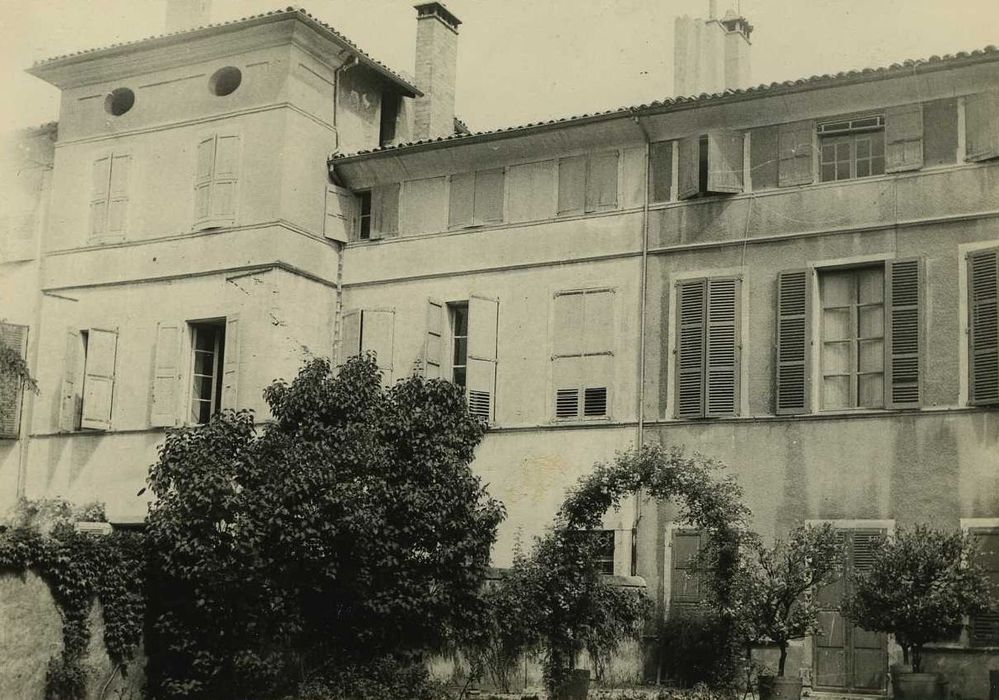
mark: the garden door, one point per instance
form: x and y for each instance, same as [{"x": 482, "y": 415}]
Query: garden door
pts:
[{"x": 848, "y": 658}]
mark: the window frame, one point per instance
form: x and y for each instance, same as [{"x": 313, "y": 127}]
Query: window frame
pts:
[
  {"x": 851, "y": 130},
  {"x": 364, "y": 220},
  {"x": 580, "y": 389},
  {"x": 971, "y": 526},
  {"x": 210, "y": 220},
  {"x": 218, "y": 359},
  {"x": 453, "y": 308}
]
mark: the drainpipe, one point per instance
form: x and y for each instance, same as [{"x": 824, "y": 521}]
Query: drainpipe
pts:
[{"x": 338, "y": 247}]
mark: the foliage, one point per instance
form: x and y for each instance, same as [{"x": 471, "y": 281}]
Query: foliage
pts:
[
  {"x": 348, "y": 529},
  {"x": 79, "y": 568},
  {"x": 700, "y": 691},
  {"x": 383, "y": 679},
  {"x": 695, "y": 649},
  {"x": 919, "y": 587},
  {"x": 775, "y": 584},
  {"x": 45, "y": 514},
  {"x": 14, "y": 369}
]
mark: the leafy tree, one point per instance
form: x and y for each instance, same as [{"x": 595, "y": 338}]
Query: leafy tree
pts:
[
  {"x": 775, "y": 585},
  {"x": 919, "y": 587},
  {"x": 347, "y": 530}
]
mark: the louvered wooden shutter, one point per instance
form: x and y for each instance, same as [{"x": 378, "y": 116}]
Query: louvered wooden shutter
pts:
[
  {"x": 166, "y": 375},
  {"x": 660, "y": 171},
  {"x": 225, "y": 179},
  {"x": 795, "y": 154},
  {"x": 567, "y": 347},
  {"x": 339, "y": 223},
  {"x": 686, "y": 591},
  {"x": 350, "y": 345},
  {"x": 985, "y": 626},
  {"x": 98, "y": 379},
  {"x": 203, "y": 179},
  {"x": 725, "y": 157},
  {"x": 689, "y": 168},
  {"x": 981, "y": 118},
  {"x": 483, "y": 317},
  {"x": 462, "y": 200},
  {"x": 230, "y": 363},
  {"x": 690, "y": 361},
  {"x": 378, "y": 337},
  {"x": 571, "y": 185},
  {"x": 983, "y": 326},
  {"x": 100, "y": 184},
  {"x": 601, "y": 182},
  {"x": 791, "y": 392},
  {"x": 69, "y": 395},
  {"x": 14, "y": 337},
  {"x": 385, "y": 211},
  {"x": 433, "y": 347},
  {"x": 118, "y": 195},
  {"x": 865, "y": 542},
  {"x": 721, "y": 386},
  {"x": 904, "y": 332},
  {"x": 488, "y": 207},
  {"x": 904, "y": 138}
]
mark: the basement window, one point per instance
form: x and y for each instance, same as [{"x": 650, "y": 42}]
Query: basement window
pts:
[
  {"x": 225, "y": 81},
  {"x": 852, "y": 148},
  {"x": 119, "y": 101}
]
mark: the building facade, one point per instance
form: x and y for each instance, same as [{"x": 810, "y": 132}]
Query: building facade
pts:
[{"x": 798, "y": 279}]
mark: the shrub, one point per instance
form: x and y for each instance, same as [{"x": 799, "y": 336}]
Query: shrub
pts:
[
  {"x": 382, "y": 679},
  {"x": 698, "y": 647}
]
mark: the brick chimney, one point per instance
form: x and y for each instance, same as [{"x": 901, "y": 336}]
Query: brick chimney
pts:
[
  {"x": 182, "y": 15},
  {"x": 711, "y": 55},
  {"x": 436, "y": 68}
]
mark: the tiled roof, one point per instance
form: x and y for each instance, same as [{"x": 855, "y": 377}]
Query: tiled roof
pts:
[
  {"x": 321, "y": 26},
  {"x": 670, "y": 103}
]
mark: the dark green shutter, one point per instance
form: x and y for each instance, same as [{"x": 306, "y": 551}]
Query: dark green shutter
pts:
[
  {"x": 793, "y": 342},
  {"x": 721, "y": 381},
  {"x": 983, "y": 326},
  {"x": 904, "y": 282},
  {"x": 690, "y": 299}
]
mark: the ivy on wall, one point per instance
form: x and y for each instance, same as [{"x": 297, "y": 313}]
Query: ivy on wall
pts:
[{"x": 79, "y": 568}]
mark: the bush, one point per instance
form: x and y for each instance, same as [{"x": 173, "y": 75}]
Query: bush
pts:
[
  {"x": 384, "y": 679},
  {"x": 697, "y": 647}
]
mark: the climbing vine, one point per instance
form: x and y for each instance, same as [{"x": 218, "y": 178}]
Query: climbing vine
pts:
[{"x": 79, "y": 568}]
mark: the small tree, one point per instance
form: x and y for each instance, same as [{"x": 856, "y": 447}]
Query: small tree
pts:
[
  {"x": 775, "y": 585},
  {"x": 919, "y": 587}
]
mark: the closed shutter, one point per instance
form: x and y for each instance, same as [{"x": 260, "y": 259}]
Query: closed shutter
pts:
[
  {"x": 378, "y": 337},
  {"x": 981, "y": 118},
  {"x": 462, "y": 201},
  {"x": 203, "y": 179},
  {"x": 433, "y": 348},
  {"x": 983, "y": 326},
  {"x": 100, "y": 182},
  {"x": 341, "y": 207},
  {"x": 166, "y": 375},
  {"x": 385, "y": 211},
  {"x": 14, "y": 337},
  {"x": 350, "y": 345},
  {"x": 686, "y": 589},
  {"x": 661, "y": 171},
  {"x": 904, "y": 138},
  {"x": 118, "y": 196},
  {"x": 488, "y": 197},
  {"x": 725, "y": 157},
  {"x": 69, "y": 395},
  {"x": 571, "y": 185},
  {"x": 795, "y": 154},
  {"x": 985, "y": 626},
  {"x": 904, "y": 282},
  {"x": 601, "y": 182},
  {"x": 690, "y": 361},
  {"x": 230, "y": 363},
  {"x": 722, "y": 340},
  {"x": 225, "y": 178},
  {"x": 532, "y": 191},
  {"x": 483, "y": 317},
  {"x": 689, "y": 168},
  {"x": 793, "y": 342},
  {"x": 98, "y": 379},
  {"x": 865, "y": 542},
  {"x": 567, "y": 348}
]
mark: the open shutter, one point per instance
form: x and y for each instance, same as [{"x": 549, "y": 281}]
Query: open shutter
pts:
[
  {"x": 685, "y": 581},
  {"x": 203, "y": 180},
  {"x": 904, "y": 281},
  {"x": 795, "y": 154},
  {"x": 462, "y": 200},
  {"x": 981, "y": 118},
  {"x": 350, "y": 344},
  {"x": 433, "y": 347},
  {"x": 483, "y": 317},
  {"x": 14, "y": 337},
  {"x": 118, "y": 198},
  {"x": 166, "y": 375},
  {"x": 488, "y": 197},
  {"x": 98, "y": 379},
  {"x": 341, "y": 214},
  {"x": 690, "y": 300},
  {"x": 100, "y": 184},
  {"x": 721, "y": 385},
  {"x": 385, "y": 211},
  {"x": 230, "y": 364},
  {"x": 793, "y": 342},
  {"x": 69, "y": 395},
  {"x": 572, "y": 185},
  {"x": 985, "y": 626},
  {"x": 660, "y": 171},
  {"x": 725, "y": 156},
  {"x": 689, "y": 168},
  {"x": 225, "y": 179},
  {"x": 601, "y": 182},
  {"x": 904, "y": 138},
  {"x": 378, "y": 337},
  {"x": 983, "y": 326}
]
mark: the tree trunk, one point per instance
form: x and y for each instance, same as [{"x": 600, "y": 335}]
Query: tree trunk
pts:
[
  {"x": 917, "y": 658},
  {"x": 783, "y": 659}
]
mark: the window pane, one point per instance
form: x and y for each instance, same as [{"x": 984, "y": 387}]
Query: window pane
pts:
[
  {"x": 828, "y": 152},
  {"x": 203, "y": 388},
  {"x": 843, "y": 170},
  {"x": 836, "y": 358},
  {"x": 836, "y": 392},
  {"x": 828, "y": 172},
  {"x": 871, "y": 285},
  {"x": 201, "y": 411},
  {"x": 842, "y": 152},
  {"x": 863, "y": 168},
  {"x": 459, "y": 376},
  {"x": 878, "y": 166},
  {"x": 204, "y": 338},
  {"x": 460, "y": 351},
  {"x": 836, "y": 324},
  {"x": 871, "y": 356},
  {"x": 871, "y": 321},
  {"x": 837, "y": 289},
  {"x": 460, "y": 319},
  {"x": 870, "y": 391},
  {"x": 878, "y": 145},
  {"x": 863, "y": 148},
  {"x": 204, "y": 362}
]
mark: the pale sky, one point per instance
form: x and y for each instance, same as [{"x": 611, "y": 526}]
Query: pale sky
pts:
[{"x": 525, "y": 60}]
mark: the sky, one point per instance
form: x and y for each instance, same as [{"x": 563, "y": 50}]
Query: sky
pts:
[{"x": 526, "y": 60}]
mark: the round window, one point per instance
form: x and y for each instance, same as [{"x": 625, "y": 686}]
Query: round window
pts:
[
  {"x": 119, "y": 101},
  {"x": 225, "y": 81}
]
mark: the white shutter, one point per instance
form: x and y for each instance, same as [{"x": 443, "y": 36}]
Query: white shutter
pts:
[
  {"x": 166, "y": 375},
  {"x": 203, "y": 180},
  {"x": 461, "y": 203},
  {"x": 433, "y": 349},
  {"x": 118, "y": 196},
  {"x": 230, "y": 364},
  {"x": 378, "y": 336},
  {"x": 982, "y": 126},
  {"x": 795, "y": 154},
  {"x": 340, "y": 218},
  {"x": 98, "y": 379},
  {"x": 350, "y": 345},
  {"x": 100, "y": 182},
  {"x": 69, "y": 396},
  {"x": 483, "y": 317},
  {"x": 225, "y": 179},
  {"x": 16, "y": 338},
  {"x": 904, "y": 138},
  {"x": 689, "y": 168},
  {"x": 725, "y": 156},
  {"x": 601, "y": 181}
]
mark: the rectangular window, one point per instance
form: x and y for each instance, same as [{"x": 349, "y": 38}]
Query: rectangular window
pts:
[
  {"x": 207, "y": 357},
  {"x": 708, "y": 347},
  {"x": 364, "y": 215},
  {"x": 15, "y": 338},
  {"x": 582, "y": 357},
  {"x": 710, "y": 163},
  {"x": 983, "y": 326},
  {"x": 764, "y": 157},
  {"x": 88, "y": 379},
  {"x": 216, "y": 181},
  {"x": 985, "y": 627},
  {"x": 852, "y": 148},
  {"x": 940, "y": 132},
  {"x": 476, "y": 198},
  {"x": 661, "y": 171},
  {"x": 109, "y": 196},
  {"x": 459, "y": 343},
  {"x": 370, "y": 331},
  {"x": 587, "y": 183},
  {"x": 389, "y": 116},
  {"x": 686, "y": 585}
]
